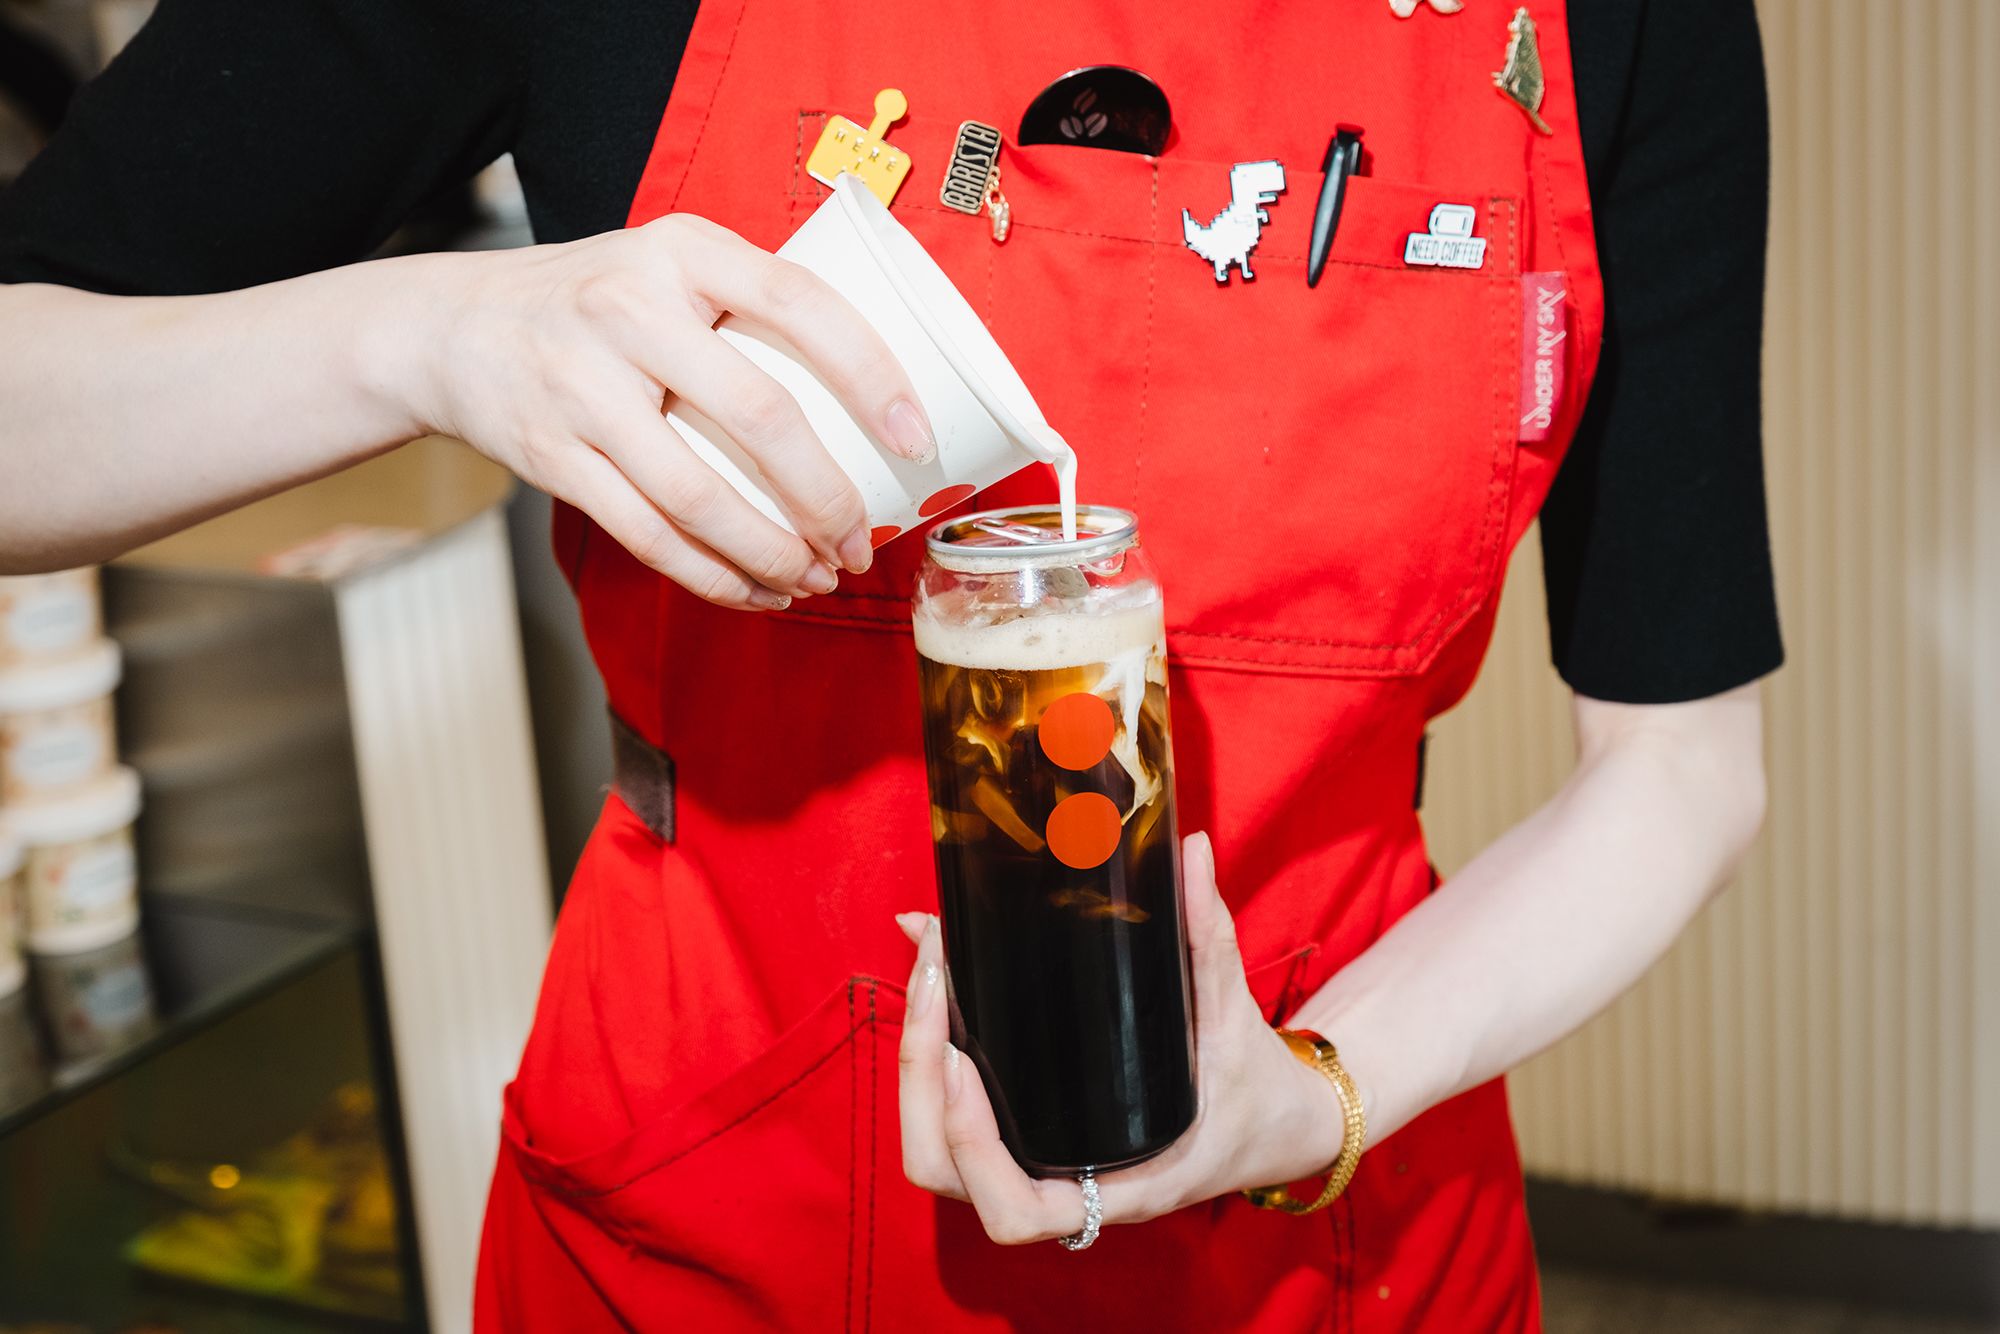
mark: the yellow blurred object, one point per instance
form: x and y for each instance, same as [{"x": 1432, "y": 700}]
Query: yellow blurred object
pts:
[{"x": 311, "y": 1221}]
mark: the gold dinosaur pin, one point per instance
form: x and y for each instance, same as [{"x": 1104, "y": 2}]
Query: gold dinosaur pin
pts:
[{"x": 1519, "y": 78}]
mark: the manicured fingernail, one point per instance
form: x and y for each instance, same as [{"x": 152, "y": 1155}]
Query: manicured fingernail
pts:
[
  {"x": 910, "y": 432},
  {"x": 925, "y": 985},
  {"x": 856, "y": 553},
  {"x": 952, "y": 1075},
  {"x": 768, "y": 600},
  {"x": 820, "y": 579},
  {"x": 912, "y": 924},
  {"x": 925, "y": 990}
]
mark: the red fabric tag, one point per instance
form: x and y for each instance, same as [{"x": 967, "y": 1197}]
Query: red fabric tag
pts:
[{"x": 1544, "y": 338}]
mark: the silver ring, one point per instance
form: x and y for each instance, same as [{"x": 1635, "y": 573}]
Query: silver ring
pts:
[{"x": 1093, "y": 1214}]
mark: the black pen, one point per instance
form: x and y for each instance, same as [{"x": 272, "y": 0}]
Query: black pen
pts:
[{"x": 1343, "y": 159}]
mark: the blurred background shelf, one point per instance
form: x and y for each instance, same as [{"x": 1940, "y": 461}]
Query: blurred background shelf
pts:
[{"x": 200, "y": 962}]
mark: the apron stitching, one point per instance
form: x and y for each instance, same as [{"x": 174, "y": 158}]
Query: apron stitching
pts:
[
  {"x": 853, "y": 1151},
  {"x": 878, "y": 597},
  {"x": 799, "y": 151},
  {"x": 1508, "y": 367},
  {"x": 991, "y": 252},
  {"x": 1344, "y": 1260},
  {"x": 1555, "y": 220},
  {"x": 1289, "y": 640},
  {"x": 1497, "y": 485},
  {"x": 861, "y": 620},
  {"x": 1312, "y": 643},
  {"x": 1146, "y": 365},
  {"x": 707, "y": 110},
  {"x": 856, "y": 621},
  {"x": 1506, "y": 438},
  {"x": 874, "y": 1127},
  {"x": 594, "y": 1192}
]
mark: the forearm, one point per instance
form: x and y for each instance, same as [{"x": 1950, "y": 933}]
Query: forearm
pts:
[
  {"x": 128, "y": 417},
  {"x": 1562, "y": 914}
]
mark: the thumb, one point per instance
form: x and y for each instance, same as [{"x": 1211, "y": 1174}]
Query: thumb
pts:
[{"x": 1212, "y": 949}]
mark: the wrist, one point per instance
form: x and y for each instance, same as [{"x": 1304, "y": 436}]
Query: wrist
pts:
[
  {"x": 402, "y": 323},
  {"x": 1318, "y": 1124},
  {"x": 1308, "y": 1046}
]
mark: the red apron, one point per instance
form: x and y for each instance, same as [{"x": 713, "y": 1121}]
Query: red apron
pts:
[{"x": 703, "y": 1133}]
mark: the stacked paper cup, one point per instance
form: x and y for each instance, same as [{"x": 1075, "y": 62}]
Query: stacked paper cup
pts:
[{"x": 67, "y": 803}]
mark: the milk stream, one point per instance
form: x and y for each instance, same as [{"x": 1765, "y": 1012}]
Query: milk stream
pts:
[{"x": 1065, "y": 466}]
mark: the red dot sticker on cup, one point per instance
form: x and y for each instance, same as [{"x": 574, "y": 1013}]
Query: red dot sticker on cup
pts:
[
  {"x": 1083, "y": 830},
  {"x": 1076, "y": 730},
  {"x": 940, "y": 501}
]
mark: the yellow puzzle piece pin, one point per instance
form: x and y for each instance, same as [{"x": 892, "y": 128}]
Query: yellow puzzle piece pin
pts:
[{"x": 846, "y": 146}]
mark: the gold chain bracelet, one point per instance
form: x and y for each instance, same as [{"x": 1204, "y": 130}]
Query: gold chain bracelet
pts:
[{"x": 1317, "y": 1052}]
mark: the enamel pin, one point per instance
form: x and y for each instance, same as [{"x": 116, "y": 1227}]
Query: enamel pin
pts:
[
  {"x": 1449, "y": 244},
  {"x": 845, "y": 146},
  {"x": 972, "y": 179},
  {"x": 1519, "y": 77},
  {"x": 1233, "y": 233}
]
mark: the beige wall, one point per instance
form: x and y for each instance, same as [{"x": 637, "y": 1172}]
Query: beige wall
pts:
[{"x": 1827, "y": 1037}]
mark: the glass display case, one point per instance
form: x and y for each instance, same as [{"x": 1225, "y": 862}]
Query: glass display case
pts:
[{"x": 198, "y": 1132}]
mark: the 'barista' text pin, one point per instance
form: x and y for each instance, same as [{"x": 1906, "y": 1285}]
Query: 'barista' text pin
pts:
[
  {"x": 845, "y": 146},
  {"x": 972, "y": 178},
  {"x": 1449, "y": 244},
  {"x": 1232, "y": 234}
]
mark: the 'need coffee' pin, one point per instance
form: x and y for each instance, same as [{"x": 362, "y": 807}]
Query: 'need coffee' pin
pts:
[{"x": 1449, "y": 244}]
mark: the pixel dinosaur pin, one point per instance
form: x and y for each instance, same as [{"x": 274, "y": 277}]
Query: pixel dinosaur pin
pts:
[{"x": 1233, "y": 233}]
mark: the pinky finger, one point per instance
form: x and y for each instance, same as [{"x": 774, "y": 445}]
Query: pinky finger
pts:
[{"x": 599, "y": 489}]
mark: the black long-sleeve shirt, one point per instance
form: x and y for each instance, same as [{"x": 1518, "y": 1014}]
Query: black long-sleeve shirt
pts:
[{"x": 241, "y": 141}]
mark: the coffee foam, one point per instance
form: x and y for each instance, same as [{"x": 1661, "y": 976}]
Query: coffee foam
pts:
[{"x": 1040, "y": 643}]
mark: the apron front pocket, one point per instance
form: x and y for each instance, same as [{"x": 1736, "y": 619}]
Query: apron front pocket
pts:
[{"x": 777, "y": 1159}]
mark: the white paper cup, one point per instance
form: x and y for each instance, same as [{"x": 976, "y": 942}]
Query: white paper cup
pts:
[
  {"x": 987, "y": 424},
  {"x": 81, "y": 882},
  {"x": 98, "y": 1002},
  {"x": 48, "y": 617},
  {"x": 57, "y": 733}
]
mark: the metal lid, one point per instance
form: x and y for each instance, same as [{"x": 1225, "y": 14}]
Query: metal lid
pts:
[{"x": 983, "y": 542}]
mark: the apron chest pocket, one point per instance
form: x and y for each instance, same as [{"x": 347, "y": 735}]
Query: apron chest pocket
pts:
[{"x": 1323, "y": 474}]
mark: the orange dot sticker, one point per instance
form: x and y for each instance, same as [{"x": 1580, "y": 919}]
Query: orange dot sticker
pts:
[
  {"x": 1083, "y": 830},
  {"x": 1076, "y": 730},
  {"x": 945, "y": 499},
  {"x": 877, "y": 536}
]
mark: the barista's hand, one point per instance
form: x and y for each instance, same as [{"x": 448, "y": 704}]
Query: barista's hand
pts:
[
  {"x": 1265, "y": 1116},
  {"x": 553, "y": 361}
]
